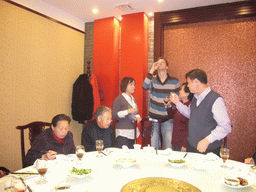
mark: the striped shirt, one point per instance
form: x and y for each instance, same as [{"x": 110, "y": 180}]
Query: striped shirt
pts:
[{"x": 158, "y": 91}]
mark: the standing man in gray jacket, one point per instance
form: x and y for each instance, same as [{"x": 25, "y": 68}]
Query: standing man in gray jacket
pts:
[{"x": 208, "y": 118}]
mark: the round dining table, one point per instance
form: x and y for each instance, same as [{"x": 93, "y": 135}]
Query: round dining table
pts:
[{"x": 109, "y": 173}]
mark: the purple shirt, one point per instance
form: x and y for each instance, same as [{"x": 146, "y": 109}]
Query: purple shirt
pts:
[{"x": 220, "y": 115}]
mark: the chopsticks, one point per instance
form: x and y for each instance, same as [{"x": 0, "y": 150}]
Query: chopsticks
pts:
[
  {"x": 185, "y": 155},
  {"x": 29, "y": 189},
  {"x": 104, "y": 153},
  {"x": 25, "y": 173}
]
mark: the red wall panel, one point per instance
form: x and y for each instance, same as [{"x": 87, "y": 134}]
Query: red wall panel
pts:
[
  {"x": 134, "y": 52},
  {"x": 106, "y": 57}
]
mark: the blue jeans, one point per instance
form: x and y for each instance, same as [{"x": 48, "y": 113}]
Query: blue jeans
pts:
[{"x": 166, "y": 131}]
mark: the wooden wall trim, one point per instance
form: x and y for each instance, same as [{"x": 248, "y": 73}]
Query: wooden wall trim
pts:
[
  {"x": 200, "y": 14},
  {"x": 42, "y": 15}
]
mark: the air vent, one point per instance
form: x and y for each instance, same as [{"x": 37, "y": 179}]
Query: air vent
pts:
[{"x": 124, "y": 7}]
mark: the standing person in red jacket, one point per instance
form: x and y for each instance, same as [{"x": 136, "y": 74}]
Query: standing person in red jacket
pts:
[{"x": 180, "y": 122}]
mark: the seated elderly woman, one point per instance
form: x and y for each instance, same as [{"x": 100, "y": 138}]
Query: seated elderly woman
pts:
[
  {"x": 99, "y": 129},
  {"x": 54, "y": 140}
]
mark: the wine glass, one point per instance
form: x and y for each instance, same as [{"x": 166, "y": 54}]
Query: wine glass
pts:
[
  {"x": 99, "y": 147},
  {"x": 80, "y": 152},
  {"x": 166, "y": 100},
  {"x": 41, "y": 166},
  {"x": 224, "y": 154}
]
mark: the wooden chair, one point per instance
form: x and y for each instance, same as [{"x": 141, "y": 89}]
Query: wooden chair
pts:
[
  {"x": 146, "y": 131},
  {"x": 35, "y": 128}
]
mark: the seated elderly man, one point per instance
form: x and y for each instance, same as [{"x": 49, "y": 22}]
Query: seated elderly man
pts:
[
  {"x": 54, "y": 140},
  {"x": 99, "y": 129}
]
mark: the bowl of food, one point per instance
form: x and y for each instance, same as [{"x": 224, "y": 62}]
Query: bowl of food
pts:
[
  {"x": 176, "y": 162},
  {"x": 232, "y": 181},
  {"x": 80, "y": 173},
  {"x": 126, "y": 162},
  {"x": 237, "y": 182}
]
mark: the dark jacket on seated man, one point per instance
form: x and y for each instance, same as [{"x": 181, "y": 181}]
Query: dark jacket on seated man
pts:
[
  {"x": 93, "y": 132},
  {"x": 46, "y": 141}
]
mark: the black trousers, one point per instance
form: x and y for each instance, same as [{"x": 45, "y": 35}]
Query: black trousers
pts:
[
  {"x": 192, "y": 149},
  {"x": 120, "y": 141}
]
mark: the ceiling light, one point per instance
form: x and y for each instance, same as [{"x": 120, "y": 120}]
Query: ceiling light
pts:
[
  {"x": 160, "y": 1},
  {"x": 150, "y": 14},
  {"x": 95, "y": 10}
]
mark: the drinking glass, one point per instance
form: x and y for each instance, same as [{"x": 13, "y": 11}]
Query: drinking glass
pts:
[
  {"x": 80, "y": 151},
  {"x": 41, "y": 166},
  {"x": 166, "y": 100},
  {"x": 224, "y": 154},
  {"x": 99, "y": 147}
]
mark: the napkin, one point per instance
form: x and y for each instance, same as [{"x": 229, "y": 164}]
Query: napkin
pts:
[
  {"x": 211, "y": 157},
  {"x": 125, "y": 147}
]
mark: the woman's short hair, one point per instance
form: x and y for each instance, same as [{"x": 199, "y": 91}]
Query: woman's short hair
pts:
[
  {"x": 186, "y": 89},
  {"x": 60, "y": 117},
  {"x": 197, "y": 74},
  {"x": 101, "y": 110},
  {"x": 124, "y": 83}
]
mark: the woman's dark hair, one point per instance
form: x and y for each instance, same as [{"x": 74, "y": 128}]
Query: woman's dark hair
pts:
[
  {"x": 60, "y": 117},
  {"x": 197, "y": 74},
  {"x": 164, "y": 60},
  {"x": 124, "y": 83},
  {"x": 186, "y": 89}
]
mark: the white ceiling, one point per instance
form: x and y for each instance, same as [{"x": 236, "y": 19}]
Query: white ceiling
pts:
[{"x": 82, "y": 9}]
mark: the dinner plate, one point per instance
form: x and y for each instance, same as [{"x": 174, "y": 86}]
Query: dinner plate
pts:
[
  {"x": 250, "y": 182},
  {"x": 126, "y": 162},
  {"x": 176, "y": 164},
  {"x": 153, "y": 184},
  {"x": 80, "y": 176},
  {"x": 111, "y": 150}
]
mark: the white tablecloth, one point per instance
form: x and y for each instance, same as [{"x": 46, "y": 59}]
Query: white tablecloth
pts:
[{"x": 205, "y": 174}]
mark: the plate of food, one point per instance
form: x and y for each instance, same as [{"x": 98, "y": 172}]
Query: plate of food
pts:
[
  {"x": 80, "y": 173},
  {"x": 237, "y": 182},
  {"x": 126, "y": 162},
  {"x": 253, "y": 169},
  {"x": 177, "y": 162}
]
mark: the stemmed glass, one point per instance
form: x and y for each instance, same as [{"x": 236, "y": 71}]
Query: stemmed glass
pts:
[
  {"x": 99, "y": 147},
  {"x": 166, "y": 100},
  {"x": 80, "y": 152},
  {"x": 224, "y": 154},
  {"x": 41, "y": 166}
]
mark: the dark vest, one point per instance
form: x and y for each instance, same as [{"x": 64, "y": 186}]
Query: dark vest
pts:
[{"x": 201, "y": 121}]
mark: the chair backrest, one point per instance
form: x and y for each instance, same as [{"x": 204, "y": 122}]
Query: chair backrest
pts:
[
  {"x": 35, "y": 128},
  {"x": 146, "y": 131}
]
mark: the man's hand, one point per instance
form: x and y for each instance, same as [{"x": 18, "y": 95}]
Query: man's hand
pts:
[
  {"x": 174, "y": 98},
  {"x": 203, "y": 145},
  {"x": 249, "y": 161},
  {"x": 50, "y": 155},
  {"x": 154, "y": 67},
  {"x": 183, "y": 149}
]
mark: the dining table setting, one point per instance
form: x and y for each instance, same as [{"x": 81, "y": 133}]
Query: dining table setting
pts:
[{"x": 133, "y": 170}]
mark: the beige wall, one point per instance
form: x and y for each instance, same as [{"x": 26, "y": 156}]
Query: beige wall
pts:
[{"x": 39, "y": 61}]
